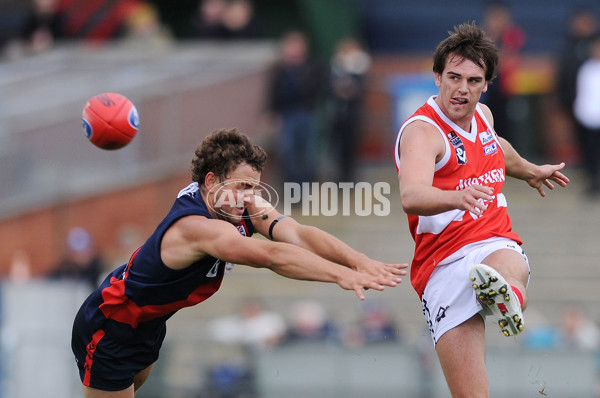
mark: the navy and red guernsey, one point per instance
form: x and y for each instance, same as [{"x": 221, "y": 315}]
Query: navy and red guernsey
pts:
[{"x": 120, "y": 327}]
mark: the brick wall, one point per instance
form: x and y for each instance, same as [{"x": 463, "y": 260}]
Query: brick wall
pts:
[{"x": 42, "y": 233}]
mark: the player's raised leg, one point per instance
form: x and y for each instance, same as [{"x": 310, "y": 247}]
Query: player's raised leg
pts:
[
  {"x": 513, "y": 267},
  {"x": 501, "y": 288}
]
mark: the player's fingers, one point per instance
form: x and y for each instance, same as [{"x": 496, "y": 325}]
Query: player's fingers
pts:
[
  {"x": 476, "y": 207},
  {"x": 398, "y": 269},
  {"x": 482, "y": 189},
  {"x": 394, "y": 273},
  {"x": 390, "y": 276},
  {"x": 560, "y": 166},
  {"x": 560, "y": 179},
  {"x": 359, "y": 293},
  {"x": 388, "y": 279},
  {"x": 480, "y": 206},
  {"x": 481, "y": 192},
  {"x": 397, "y": 272},
  {"x": 390, "y": 282},
  {"x": 540, "y": 190},
  {"x": 380, "y": 285}
]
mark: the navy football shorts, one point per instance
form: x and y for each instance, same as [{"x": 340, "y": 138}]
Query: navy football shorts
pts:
[{"x": 107, "y": 363}]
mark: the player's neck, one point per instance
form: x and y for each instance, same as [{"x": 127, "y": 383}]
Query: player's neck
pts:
[{"x": 207, "y": 200}]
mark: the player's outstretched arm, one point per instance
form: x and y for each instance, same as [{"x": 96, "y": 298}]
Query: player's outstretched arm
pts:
[
  {"x": 323, "y": 244},
  {"x": 537, "y": 176},
  {"x": 192, "y": 237}
]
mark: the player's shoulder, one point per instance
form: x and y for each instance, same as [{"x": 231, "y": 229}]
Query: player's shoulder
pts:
[
  {"x": 420, "y": 130},
  {"x": 486, "y": 111},
  {"x": 195, "y": 227},
  {"x": 422, "y": 138}
]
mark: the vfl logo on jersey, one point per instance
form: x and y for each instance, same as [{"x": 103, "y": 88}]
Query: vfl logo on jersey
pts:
[
  {"x": 486, "y": 137},
  {"x": 242, "y": 230},
  {"x": 489, "y": 149},
  {"x": 459, "y": 147}
]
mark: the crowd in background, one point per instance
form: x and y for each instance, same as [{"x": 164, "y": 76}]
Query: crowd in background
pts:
[
  {"x": 316, "y": 104},
  {"x": 313, "y": 103}
]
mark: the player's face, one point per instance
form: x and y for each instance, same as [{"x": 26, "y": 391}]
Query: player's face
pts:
[
  {"x": 461, "y": 84},
  {"x": 232, "y": 195}
]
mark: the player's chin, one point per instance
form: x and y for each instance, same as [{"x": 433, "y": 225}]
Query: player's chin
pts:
[{"x": 236, "y": 219}]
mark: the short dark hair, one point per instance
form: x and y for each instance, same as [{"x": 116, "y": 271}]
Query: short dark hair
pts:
[
  {"x": 222, "y": 151},
  {"x": 468, "y": 41}
]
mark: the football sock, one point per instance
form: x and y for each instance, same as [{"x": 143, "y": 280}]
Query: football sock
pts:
[{"x": 518, "y": 294}]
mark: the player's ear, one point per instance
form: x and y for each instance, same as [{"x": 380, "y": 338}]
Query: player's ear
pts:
[
  {"x": 485, "y": 87},
  {"x": 438, "y": 79},
  {"x": 210, "y": 180}
]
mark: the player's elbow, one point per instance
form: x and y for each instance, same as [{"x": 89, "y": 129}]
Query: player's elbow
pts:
[{"x": 410, "y": 202}]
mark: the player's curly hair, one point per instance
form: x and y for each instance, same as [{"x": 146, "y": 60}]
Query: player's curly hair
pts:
[
  {"x": 470, "y": 42},
  {"x": 222, "y": 151}
]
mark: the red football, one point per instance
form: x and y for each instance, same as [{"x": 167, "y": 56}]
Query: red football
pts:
[{"x": 110, "y": 120}]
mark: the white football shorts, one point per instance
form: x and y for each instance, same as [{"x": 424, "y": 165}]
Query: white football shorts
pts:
[{"x": 449, "y": 298}]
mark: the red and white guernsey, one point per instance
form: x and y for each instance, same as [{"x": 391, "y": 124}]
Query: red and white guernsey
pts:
[{"x": 473, "y": 157}]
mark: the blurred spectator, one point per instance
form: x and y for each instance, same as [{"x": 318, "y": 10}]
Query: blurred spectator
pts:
[
  {"x": 254, "y": 326},
  {"x": 309, "y": 323},
  {"x": 586, "y": 109},
  {"x": 224, "y": 19},
  {"x": 96, "y": 21},
  {"x": 578, "y": 331},
  {"x": 377, "y": 325},
  {"x": 542, "y": 337},
  {"x": 541, "y": 334},
  {"x": 510, "y": 39},
  {"x": 143, "y": 26},
  {"x": 20, "y": 267},
  {"x": 81, "y": 261},
  {"x": 231, "y": 380},
  {"x": 238, "y": 20},
  {"x": 207, "y": 22},
  {"x": 374, "y": 326},
  {"x": 347, "y": 80},
  {"x": 581, "y": 27},
  {"x": 42, "y": 26},
  {"x": 294, "y": 91}
]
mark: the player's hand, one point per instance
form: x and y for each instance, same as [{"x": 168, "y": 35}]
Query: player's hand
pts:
[
  {"x": 473, "y": 198},
  {"x": 545, "y": 175},
  {"x": 390, "y": 272},
  {"x": 349, "y": 279}
]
